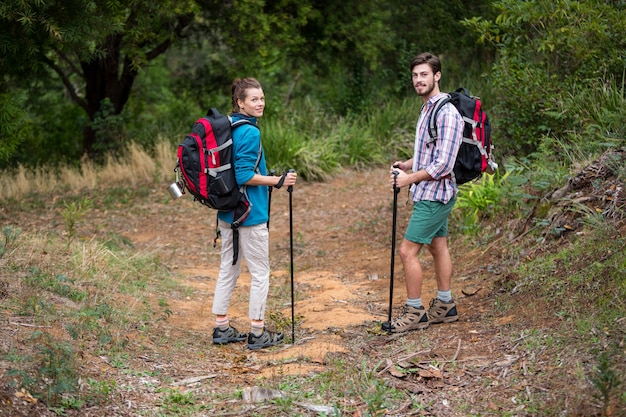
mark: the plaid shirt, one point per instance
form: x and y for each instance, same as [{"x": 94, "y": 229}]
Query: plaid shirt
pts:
[{"x": 437, "y": 158}]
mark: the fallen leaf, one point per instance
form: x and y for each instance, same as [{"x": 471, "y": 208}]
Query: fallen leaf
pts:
[
  {"x": 430, "y": 373},
  {"x": 395, "y": 372},
  {"x": 26, "y": 396}
]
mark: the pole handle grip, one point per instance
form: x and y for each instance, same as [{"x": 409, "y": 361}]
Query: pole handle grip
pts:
[
  {"x": 290, "y": 188},
  {"x": 395, "y": 183}
]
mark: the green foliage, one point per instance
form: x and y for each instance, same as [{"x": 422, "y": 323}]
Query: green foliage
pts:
[
  {"x": 83, "y": 67},
  {"x": 10, "y": 235},
  {"x": 567, "y": 273},
  {"x": 375, "y": 392},
  {"x": 480, "y": 200},
  {"x": 392, "y": 126},
  {"x": 361, "y": 50},
  {"x": 108, "y": 128},
  {"x": 79, "y": 291},
  {"x": 547, "y": 51},
  {"x": 606, "y": 380},
  {"x": 14, "y": 125},
  {"x": 51, "y": 127},
  {"x": 520, "y": 113},
  {"x": 57, "y": 373},
  {"x": 345, "y": 380},
  {"x": 288, "y": 145},
  {"x": 316, "y": 143},
  {"x": 60, "y": 284},
  {"x": 72, "y": 214},
  {"x": 596, "y": 116},
  {"x": 161, "y": 108},
  {"x": 94, "y": 322},
  {"x": 179, "y": 403},
  {"x": 93, "y": 48},
  {"x": 101, "y": 390}
]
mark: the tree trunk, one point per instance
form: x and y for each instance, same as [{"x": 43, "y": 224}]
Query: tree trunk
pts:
[{"x": 106, "y": 77}]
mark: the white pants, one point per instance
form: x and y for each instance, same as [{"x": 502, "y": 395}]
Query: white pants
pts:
[{"x": 254, "y": 248}]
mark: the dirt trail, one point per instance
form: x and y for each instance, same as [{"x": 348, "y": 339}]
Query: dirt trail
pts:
[
  {"x": 342, "y": 249},
  {"x": 341, "y": 232},
  {"x": 499, "y": 358}
]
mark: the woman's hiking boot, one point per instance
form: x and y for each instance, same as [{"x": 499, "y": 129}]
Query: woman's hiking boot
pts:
[
  {"x": 442, "y": 312},
  {"x": 230, "y": 335},
  {"x": 266, "y": 339},
  {"x": 411, "y": 318}
]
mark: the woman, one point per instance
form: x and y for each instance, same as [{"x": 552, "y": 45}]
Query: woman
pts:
[{"x": 251, "y": 171}]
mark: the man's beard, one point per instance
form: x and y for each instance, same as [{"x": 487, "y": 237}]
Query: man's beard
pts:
[{"x": 426, "y": 93}]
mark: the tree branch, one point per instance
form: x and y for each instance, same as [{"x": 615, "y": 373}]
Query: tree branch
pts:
[
  {"x": 158, "y": 50},
  {"x": 67, "y": 60},
  {"x": 67, "y": 83},
  {"x": 181, "y": 23}
]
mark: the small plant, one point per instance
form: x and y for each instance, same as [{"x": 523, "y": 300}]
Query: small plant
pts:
[
  {"x": 165, "y": 309},
  {"x": 73, "y": 214},
  {"x": 101, "y": 390},
  {"x": 10, "y": 235},
  {"x": 57, "y": 378},
  {"x": 175, "y": 396},
  {"x": 374, "y": 391},
  {"x": 60, "y": 285},
  {"x": 177, "y": 402},
  {"x": 479, "y": 200},
  {"x": 606, "y": 380}
]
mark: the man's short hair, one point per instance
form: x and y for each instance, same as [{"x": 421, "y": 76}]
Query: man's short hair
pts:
[{"x": 427, "y": 58}]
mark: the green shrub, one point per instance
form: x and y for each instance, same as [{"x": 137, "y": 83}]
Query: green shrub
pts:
[
  {"x": 480, "y": 200},
  {"x": 549, "y": 53}
]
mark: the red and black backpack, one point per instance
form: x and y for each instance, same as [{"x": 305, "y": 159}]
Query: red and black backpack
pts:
[
  {"x": 474, "y": 155},
  {"x": 205, "y": 165}
]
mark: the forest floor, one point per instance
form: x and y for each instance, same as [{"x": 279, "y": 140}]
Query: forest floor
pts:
[{"x": 492, "y": 361}]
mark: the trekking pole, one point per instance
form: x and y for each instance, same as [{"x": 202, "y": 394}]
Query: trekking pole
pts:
[
  {"x": 396, "y": 190},
  {"x": 269, "y": 201},
  {"x": 293, "y": 316}
]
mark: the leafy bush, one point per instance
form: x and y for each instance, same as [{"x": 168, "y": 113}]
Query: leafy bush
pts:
[
  {"x": 549, "y": 49},
  {"x": 14, "y": 126},
  {"x": 480, "y": 200}
]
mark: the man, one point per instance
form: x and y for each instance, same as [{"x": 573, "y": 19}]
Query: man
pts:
[{"x": 433, "y": 191}]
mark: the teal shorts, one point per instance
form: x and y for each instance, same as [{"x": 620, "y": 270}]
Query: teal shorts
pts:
[{"x": 428, "y": 221}]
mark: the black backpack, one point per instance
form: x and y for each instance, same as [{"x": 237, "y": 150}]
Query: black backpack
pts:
[
  {"x": 474, "y": 155},
  {"x": 205, "y": 164}
]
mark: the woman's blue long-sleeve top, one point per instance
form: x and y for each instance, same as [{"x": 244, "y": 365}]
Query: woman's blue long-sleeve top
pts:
[{"x": 246, "y": 145}]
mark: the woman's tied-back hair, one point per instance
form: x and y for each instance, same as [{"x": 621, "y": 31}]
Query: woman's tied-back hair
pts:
[
  {"x": 240, "y": 90},
  {"x": 427, "y": 58}
]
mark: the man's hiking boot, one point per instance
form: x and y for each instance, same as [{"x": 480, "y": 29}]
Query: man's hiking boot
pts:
[
  {"x": 266, "y": 339},
  {"x": 442, "y": 312},
  {"x": 230, "y": 335},
  {"x": 412, "y": 318}
]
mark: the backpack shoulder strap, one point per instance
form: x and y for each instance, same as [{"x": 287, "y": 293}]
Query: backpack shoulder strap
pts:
[
  {"x": 432, "y": 121},
  {"x": 248, "y": 122},
  {"x": 240, "y": 122}
]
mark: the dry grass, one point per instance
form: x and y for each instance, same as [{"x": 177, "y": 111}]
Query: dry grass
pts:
[{"x": 137, "y": 165}]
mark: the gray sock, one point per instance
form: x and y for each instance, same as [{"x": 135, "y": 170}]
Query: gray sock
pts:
[
  {"x": 445, "y": 296},
  {"x": 414, "y": 302}
]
